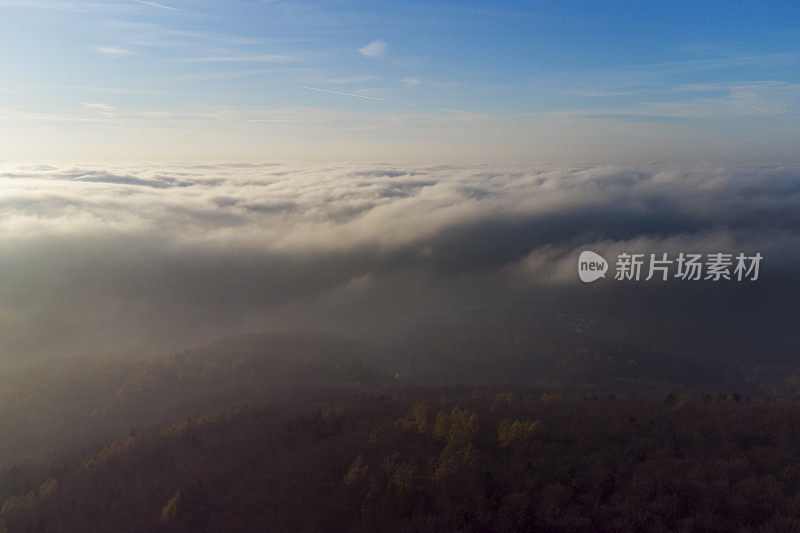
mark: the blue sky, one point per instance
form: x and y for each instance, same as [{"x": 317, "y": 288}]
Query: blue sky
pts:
[{"x": 241, "y": 79}]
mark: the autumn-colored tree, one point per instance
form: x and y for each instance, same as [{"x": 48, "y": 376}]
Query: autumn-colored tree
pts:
[
  {"x": 357, "y": 473},
  {"x": 170, "y": 511},
  {"x": 516, "y": 434},
  {"x": 458, "y": 426},
  {"x": 416, "y": 419}
]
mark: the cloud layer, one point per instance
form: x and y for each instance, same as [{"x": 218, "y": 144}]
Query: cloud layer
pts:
[{"x": 115, "y": 259}]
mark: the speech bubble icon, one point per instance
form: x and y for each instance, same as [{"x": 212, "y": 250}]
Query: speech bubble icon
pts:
[{"x": 591, "y": 266}]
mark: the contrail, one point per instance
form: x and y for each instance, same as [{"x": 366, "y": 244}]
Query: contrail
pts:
[
  {"x": 357, "y": 96},
  {"x": 156, "y": 4}
]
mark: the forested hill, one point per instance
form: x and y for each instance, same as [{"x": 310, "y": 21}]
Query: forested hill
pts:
[
  {"x": 440, "y": 459},
  {"x": 70, "y": 404},
  {"x": 444, "y": 429},
  {"x": 74, "y": 403}
]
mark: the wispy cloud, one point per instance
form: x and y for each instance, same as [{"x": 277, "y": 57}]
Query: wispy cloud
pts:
[
  {"x": 100, "y": 107},
  {"x": 257, "y": 58},
  {"x": 89, "y": 88},
  {"x": 160, "y": 6},
  {"x": 734, "y": 101},
  {"x": 411, "y": 82},
  {"x": 357, "y": 96},
  {"x": 374, "y": 49},
  {"x": 243, "y": 73},
  {"x": 698, "y": 65},
  {"x": 112, "y": 51},
  {"x": 352, "y": 79},
  {"x": 52, "y": 5}
]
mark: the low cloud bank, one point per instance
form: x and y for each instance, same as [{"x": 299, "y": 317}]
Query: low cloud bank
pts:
[{"x": 114, "y": 259}]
